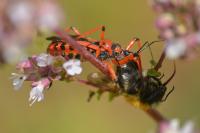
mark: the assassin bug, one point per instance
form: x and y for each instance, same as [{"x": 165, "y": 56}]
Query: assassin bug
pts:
[
  {"x": 97, "y": 48},
  {"x": 100, "y": 49},
  {"x": 148, "y": 89}
]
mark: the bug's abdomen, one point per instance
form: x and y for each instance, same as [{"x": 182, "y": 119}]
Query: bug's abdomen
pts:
[{"x": 61, "y": 49}]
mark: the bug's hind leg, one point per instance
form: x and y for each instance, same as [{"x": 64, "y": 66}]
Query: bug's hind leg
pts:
[{"x": 102, "y": 28}]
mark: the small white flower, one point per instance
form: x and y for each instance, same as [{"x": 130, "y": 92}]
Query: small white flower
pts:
[
  {"x": 36, "y": 93},
  {"x": 174, "y": 127},
  {"x": 44, "y": 60},
  {"x": 18, "y": 80},
  {"x": 175, "y": 48},
  {"x": 73, "y": 67}
]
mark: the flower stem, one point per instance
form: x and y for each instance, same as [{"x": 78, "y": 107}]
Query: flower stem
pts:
[
  {"x": 100, "y": 87},
  {"x": 160, "y": 61},
  {"x": 157, "y": 116}
]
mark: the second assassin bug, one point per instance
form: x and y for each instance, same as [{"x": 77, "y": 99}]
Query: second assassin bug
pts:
[{"x": 148, "y": 89}]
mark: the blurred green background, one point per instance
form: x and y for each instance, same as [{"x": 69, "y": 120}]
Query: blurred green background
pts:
[{"x": 65, "y": 110}]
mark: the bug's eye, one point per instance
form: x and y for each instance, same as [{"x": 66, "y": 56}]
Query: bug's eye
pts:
[
  {"x": 116, "y": 53},
  {"x": 126, "y": 53}
]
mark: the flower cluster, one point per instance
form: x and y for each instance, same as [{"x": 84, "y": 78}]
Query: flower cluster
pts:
[
  {"x": 20, "y": 20},
  {"x": 179, "y": 24},
  {"x": 42, "y": 70},
  {"x": 174, "y": 127}
]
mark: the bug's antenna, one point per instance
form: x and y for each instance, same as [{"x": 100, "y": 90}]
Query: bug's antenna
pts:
[
  {"x": 147, "y": 44},
  {"x": 143, "y": 47}
]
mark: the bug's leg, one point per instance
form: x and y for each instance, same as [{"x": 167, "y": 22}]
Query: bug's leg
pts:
[
  {"x": 74, "y": 29},
  {"x": 133, "y": 41},
  {"x": 131, "y": 44},
  {"x": 161, "y": 76},
  {"x": 139, "y": 43},
  {"x": 92, "y": 31},
  {"x": 163, "y": 100},
  {"x": 111, "y": 71},
  {"x": 102, "y": 35},
  {"x": 68, "y": 29}
]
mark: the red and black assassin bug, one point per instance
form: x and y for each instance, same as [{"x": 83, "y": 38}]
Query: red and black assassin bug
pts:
[{"x": 149, "y": 89}]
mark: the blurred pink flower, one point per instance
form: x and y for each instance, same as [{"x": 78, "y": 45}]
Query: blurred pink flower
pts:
[
  {"x": 20, "y": 20},
  {"x": 178, "y": 23},
  {"x": 49, "y": 15}
]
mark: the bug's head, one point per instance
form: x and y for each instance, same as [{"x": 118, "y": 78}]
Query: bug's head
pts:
[{"x": 117, "y": 50}]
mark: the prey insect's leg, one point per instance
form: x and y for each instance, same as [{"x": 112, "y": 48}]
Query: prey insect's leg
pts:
[
  {"x": 171, "y": 77},
  {"x": 165, "y": 98}
]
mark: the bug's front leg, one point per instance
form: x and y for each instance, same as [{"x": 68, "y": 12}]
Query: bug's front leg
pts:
[
  {"x": 139, "y": 43},
  {"x": 111, "y": 71},
  {"x": 133, "y": 41}
]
